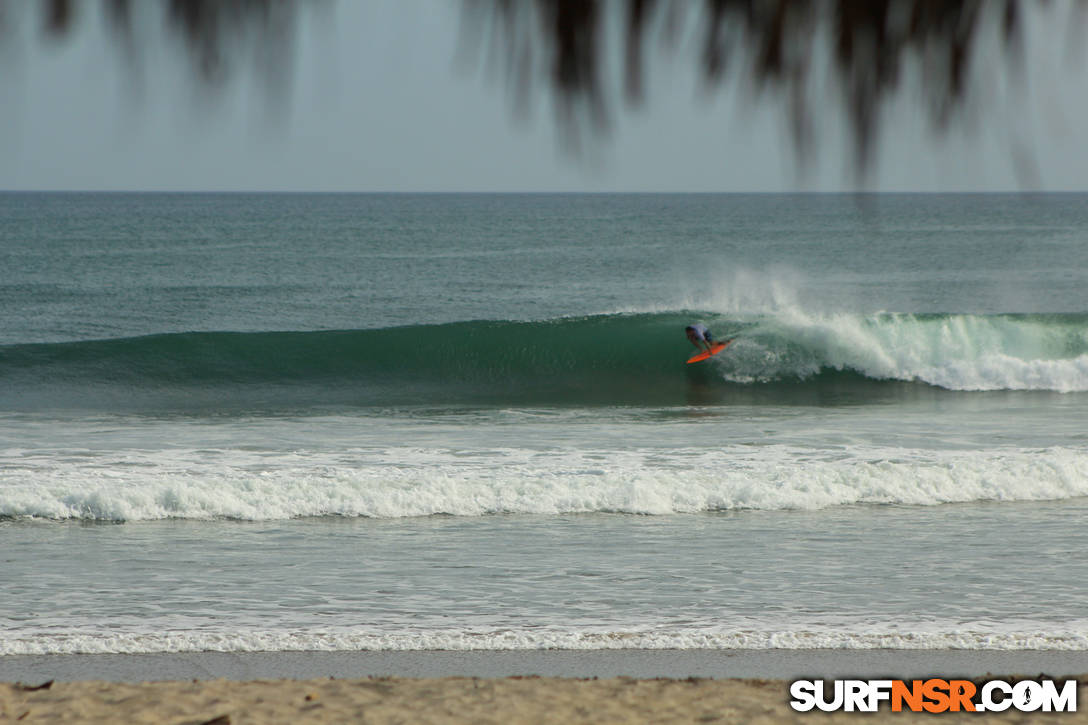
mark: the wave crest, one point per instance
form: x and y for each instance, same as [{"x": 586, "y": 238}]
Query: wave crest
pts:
[{"x": 609, "y": 359}]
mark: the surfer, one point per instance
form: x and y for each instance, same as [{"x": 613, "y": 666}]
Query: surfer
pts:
[{"x": 699, "y": 336}]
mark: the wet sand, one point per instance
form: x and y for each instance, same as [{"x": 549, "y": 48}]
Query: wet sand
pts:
[{"x": 718, "y": 664}]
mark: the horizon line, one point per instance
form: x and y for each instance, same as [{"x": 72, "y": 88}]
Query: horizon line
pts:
[{"x": 856, "y": 192}]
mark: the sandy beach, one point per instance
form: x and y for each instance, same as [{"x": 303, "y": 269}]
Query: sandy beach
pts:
[
  {"x": 446, "y": 687},
  {"x": 443, "y": 700}
]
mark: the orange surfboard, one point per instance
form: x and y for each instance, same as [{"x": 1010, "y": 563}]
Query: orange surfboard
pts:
[{"x": 714, "y": 350}]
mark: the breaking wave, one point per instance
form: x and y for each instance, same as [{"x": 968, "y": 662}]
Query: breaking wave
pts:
[{"x": 602, "y": 359}]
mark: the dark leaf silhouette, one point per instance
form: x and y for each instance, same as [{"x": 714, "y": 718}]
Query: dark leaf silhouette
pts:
[{"x": 773, "y": 45}]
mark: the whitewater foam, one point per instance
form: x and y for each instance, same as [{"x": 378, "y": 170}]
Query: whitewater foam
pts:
[
  {"x": 926, "y": 636},
  {"x": 956, "y": 352},
  {"x": 407, "y": 482}
]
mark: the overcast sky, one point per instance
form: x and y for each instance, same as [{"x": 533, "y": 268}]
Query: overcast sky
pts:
[{"x": 376, "y": 102}]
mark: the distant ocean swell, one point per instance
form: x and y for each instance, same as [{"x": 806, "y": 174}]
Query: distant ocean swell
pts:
[
  {"x": 137, "y": 485},
  {"x": 620, "y": 358}
]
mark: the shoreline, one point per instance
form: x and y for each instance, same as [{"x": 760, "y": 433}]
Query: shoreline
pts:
[{"x": 631, "y": 663}]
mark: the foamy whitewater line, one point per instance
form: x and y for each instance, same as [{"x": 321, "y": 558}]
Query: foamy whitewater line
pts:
[
  {"x": 404, "y": 482},
  {"x": 90, "y": 642},
  {"x": 955, "y": 352}
]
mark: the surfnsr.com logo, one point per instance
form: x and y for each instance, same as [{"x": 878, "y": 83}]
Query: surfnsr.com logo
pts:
[{"x": 934, "y": 695}]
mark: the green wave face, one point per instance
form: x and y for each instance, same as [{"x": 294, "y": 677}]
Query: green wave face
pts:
[{"x": 636, "y": 359}]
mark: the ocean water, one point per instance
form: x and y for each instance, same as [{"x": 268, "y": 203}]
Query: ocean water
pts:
[{"x": 261, "y": 422}]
